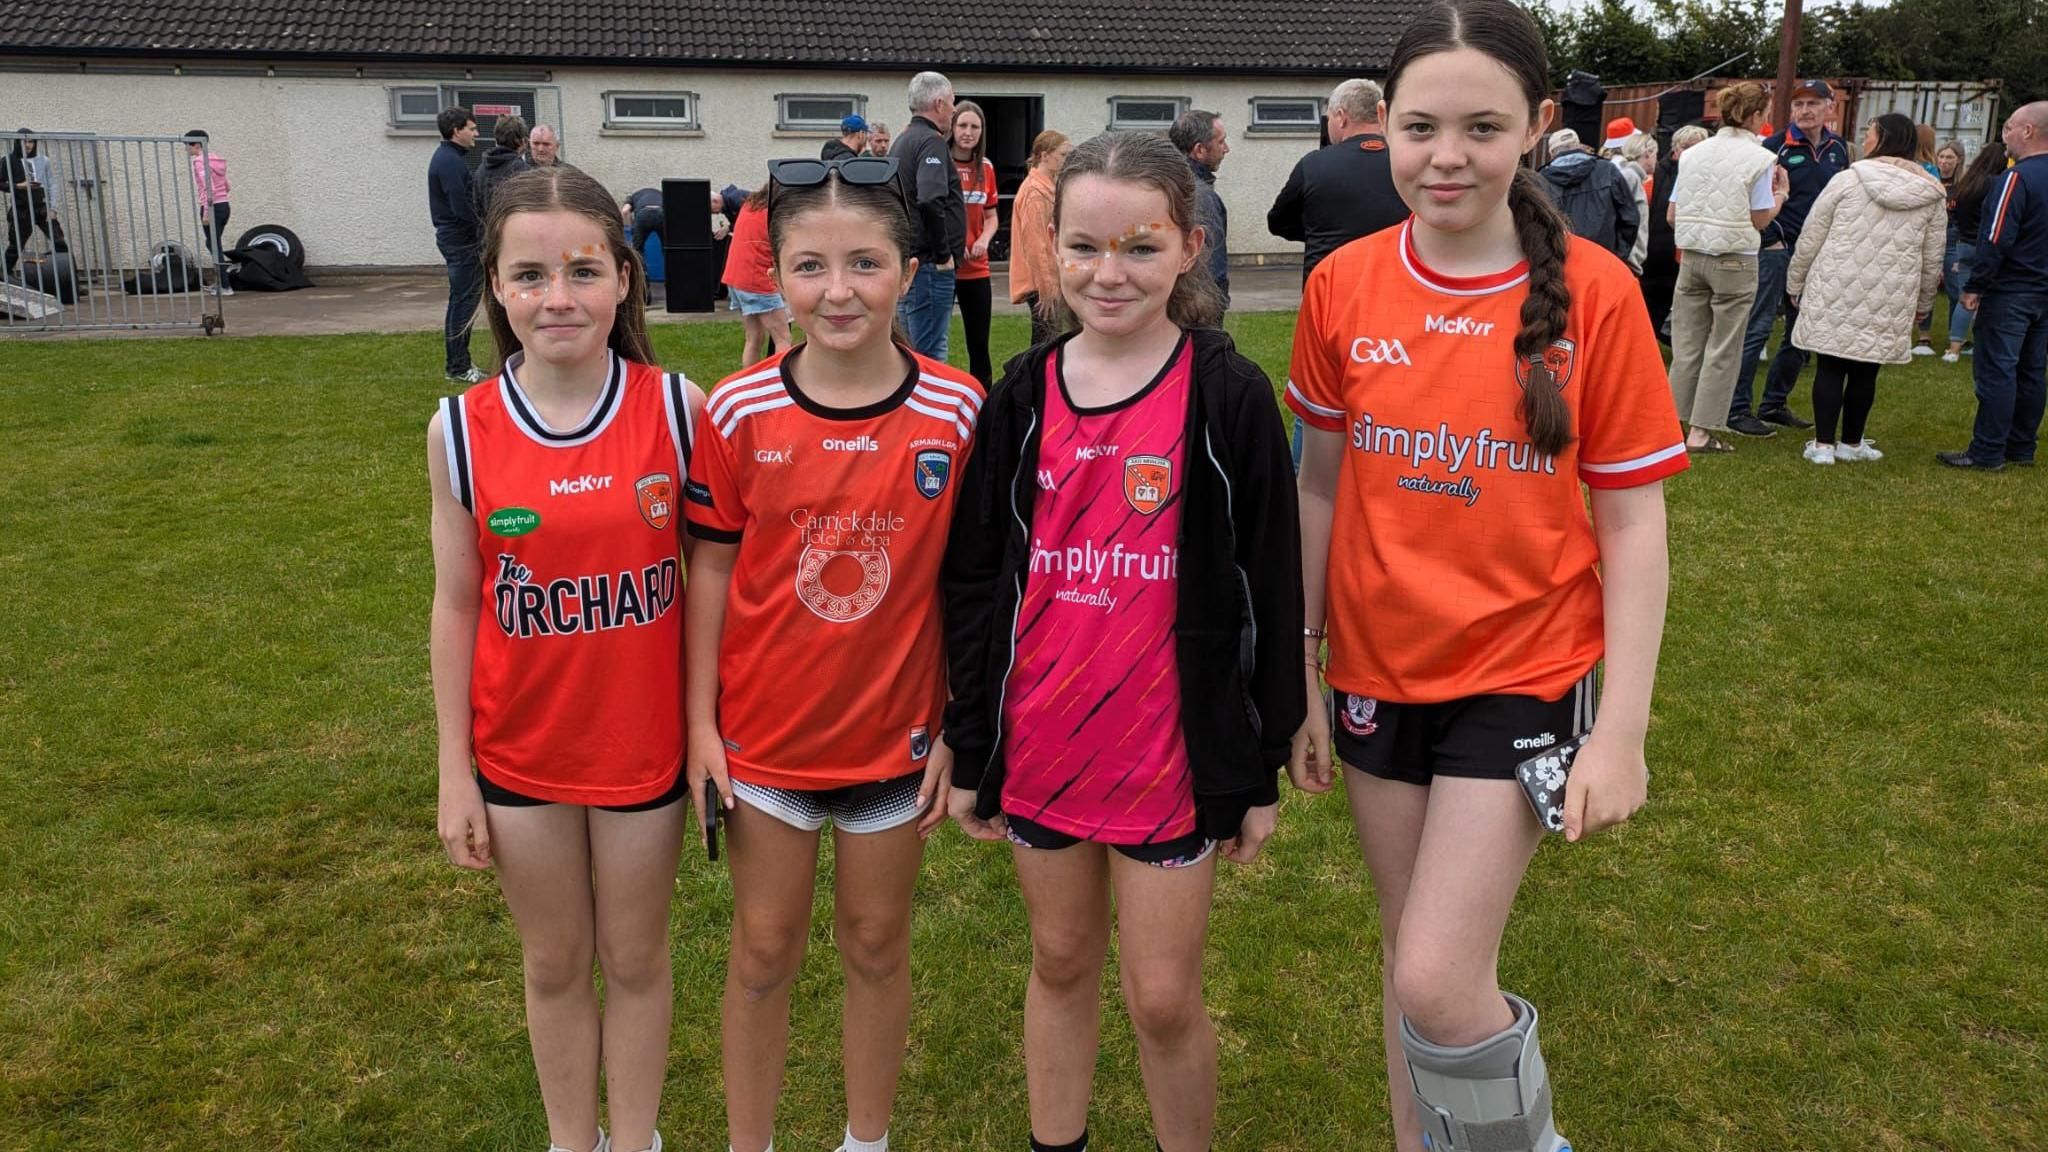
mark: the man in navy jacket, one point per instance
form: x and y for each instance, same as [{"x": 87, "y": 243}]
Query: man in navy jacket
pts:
[
  {"x": 2009, "y": 288},
  {"x": 457, "y": 235},
  {"x": 1811, "y": 155}
]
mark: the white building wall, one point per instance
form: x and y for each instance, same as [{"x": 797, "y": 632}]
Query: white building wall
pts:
[{"x": 317, "y": 154}]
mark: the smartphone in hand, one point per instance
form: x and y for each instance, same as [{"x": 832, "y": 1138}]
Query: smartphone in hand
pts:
[
  {"x": 710, "y": 818},
  {"x": 1543, "y": 777}
]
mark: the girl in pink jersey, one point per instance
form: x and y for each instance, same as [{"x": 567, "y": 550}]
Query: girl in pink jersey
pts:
[
  {"x": 1122, "y": 594},
  {"x": 557, "y": 644}
]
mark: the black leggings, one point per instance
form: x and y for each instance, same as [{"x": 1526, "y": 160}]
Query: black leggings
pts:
[
  {"x": 975, "y": 302},
  {"x": 1846, "y": 388}
]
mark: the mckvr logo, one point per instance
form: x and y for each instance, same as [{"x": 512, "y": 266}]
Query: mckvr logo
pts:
[
  {"x": 1528, "y": 742},
  {"x": 1456, "y": 325},
  {"x": 1366, "y": 350},
  {"x": 1092, "y": 451},
  {"x": 859, "y": 444},
  {"x": 575, "y": 484}
]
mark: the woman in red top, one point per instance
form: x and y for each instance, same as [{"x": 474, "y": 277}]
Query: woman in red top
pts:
[
  {"x": 750, "y": 281},
  {"x": 978, "y": 189},
  {"x": 557, "y": 642}
]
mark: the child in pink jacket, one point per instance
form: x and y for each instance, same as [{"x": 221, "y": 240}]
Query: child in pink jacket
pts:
[{"x": 210, "y": 184}]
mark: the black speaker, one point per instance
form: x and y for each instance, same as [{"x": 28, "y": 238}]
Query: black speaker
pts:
[
  {"x": 1677, "y": 109},
  {"x": 686, "y": 249}
]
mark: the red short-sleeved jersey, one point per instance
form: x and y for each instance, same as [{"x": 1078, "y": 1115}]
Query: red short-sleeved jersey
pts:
[
  {"x": 831, "y": 667},
  {"x": 749, "y": 260},
  {"x": 978, "y": 192},
  {"x": 576, "y": 689},
  {"x": 1462, "y": 561}
]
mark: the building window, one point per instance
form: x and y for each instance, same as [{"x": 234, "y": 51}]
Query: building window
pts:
[
  {"x": 673, "y": 111},
  {"x": 816, "y": 113},
  {"x": 1286, "y": 115},
  {"x": 1154, "y": 113},
  {"x": 414, "y": 107}
]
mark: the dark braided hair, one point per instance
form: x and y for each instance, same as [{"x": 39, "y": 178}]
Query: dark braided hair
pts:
[{"x": 1503, "y": 31}]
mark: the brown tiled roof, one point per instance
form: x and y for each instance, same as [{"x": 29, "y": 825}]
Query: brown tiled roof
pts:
[{"x": 1054, "y": 35}]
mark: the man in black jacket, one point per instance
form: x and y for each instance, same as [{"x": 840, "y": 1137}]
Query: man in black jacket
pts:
[
  {"x": 1344, "y": 189},
  {"x": 457, "y": 235},
  {"x": 506, "y": 158},
  {"x": 924, "y": 163},
  {"x": 852, "y": 141},
  {"x": 1595, "y": 199}
]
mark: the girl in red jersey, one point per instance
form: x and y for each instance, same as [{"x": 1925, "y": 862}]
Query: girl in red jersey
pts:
[
  {"x": 973, "y": 286},
  {"x": 1464, "y": 378},
  {"x": 557, "y": 643},
  {"x": 1122, "y": 596},
  {"x": 819, "y": 501}
]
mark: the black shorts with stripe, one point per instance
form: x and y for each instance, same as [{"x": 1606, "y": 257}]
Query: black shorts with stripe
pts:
[{"x": 1478, "y": 737}]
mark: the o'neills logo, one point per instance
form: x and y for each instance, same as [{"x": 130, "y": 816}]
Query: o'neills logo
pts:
[{"x": 857, "y": 444}]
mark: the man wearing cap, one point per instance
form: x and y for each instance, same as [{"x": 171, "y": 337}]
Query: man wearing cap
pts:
[
  {"x": 853, "y": 140},
  {"x": 1811, "y": 155},
  {"x": 1592, "y": 194},
  {"x": 2008, "y": 287},
  {"x": 1620, "y": 131}
]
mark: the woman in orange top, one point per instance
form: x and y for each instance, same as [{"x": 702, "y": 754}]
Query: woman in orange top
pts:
[
  {"x": 1034, "y": 278},
  {"x": 750, "y": 281}
]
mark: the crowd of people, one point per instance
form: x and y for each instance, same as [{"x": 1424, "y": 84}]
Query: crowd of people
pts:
[{"x": 1060, "y": 608}]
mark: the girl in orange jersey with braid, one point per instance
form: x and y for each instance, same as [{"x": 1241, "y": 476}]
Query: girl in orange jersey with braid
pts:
[
  {"x": 557, "y": 643},
  {"x": 820, "y": 501},
  {"x": 1464, "y": 378}
]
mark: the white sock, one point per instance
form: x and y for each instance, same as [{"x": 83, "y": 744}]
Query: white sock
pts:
[
  {"x": 769, "y": 1148},
  {"x": 856, "y": 1145}
]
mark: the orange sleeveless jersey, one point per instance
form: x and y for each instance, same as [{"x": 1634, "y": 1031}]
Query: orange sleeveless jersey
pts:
[
  {"x": 577, "y": 686},
  {"x": 831, "y": 667},
  {"x": 1462, "y": 561}
]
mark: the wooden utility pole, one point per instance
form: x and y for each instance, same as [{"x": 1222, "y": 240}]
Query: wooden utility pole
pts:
[{"x": 1788, "y": 66}]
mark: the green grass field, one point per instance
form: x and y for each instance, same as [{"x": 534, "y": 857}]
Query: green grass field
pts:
[{"x": 225, "y": 921}]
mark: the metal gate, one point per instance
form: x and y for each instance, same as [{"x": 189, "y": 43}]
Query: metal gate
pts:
[{"x": 105, "y": 233}]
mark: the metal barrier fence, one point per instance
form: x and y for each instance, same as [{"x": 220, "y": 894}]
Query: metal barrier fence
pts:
[{"x": 107, "y": 232}]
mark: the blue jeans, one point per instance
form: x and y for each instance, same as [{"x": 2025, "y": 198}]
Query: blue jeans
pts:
[
  {"x": 1955, "y": 274},
  {"x": 927, "y": 310},
  {"x": 1771, "y": 266},
  {"x": 2011, "y": 374},
  {"x": 465, "y": 291}
]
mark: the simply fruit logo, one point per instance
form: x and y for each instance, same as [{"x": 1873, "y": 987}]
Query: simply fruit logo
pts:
[{"x": 512, "y": 521}]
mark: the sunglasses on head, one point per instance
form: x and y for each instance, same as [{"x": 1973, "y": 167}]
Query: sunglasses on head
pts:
[{"x": 864, "y": 170}]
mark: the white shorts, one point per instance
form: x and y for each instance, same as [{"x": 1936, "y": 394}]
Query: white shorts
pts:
[{"x": 856, "y": 808}]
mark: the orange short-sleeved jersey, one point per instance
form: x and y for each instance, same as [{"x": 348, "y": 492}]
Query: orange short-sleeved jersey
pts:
[
  {"x": 831, "y": 667},
  {"x": 1462, "y": 561},
  {"x": 576, "y": 689}
]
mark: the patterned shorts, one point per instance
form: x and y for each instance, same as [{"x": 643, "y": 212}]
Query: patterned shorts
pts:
[
  {"x": 1180, "y": 852},
  {"x": 857, "y": 808}
]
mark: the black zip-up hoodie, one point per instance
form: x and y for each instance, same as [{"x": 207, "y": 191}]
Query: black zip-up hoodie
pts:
[{"x": 1237, "y": 630}]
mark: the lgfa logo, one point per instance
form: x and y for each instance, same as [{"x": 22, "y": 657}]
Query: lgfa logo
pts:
[
  {"x": 859, "y": 444},
  {"x": 1367, "y": 350},
  {"x": 577, "y": 484},
  {"x": 1456, "y": 325}
]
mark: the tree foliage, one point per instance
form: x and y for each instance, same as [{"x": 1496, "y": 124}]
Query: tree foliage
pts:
[{"x": 1901, "y": 40}]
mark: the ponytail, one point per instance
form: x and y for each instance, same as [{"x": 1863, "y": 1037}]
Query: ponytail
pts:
[{"x": 1543, "y": 237}]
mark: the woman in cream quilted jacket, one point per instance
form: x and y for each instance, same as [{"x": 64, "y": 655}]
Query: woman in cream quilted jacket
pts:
[{"x": 1867, "y": 266}]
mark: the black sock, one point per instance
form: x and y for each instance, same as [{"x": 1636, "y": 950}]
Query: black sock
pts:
[{"x": 1080, "y": 1145}]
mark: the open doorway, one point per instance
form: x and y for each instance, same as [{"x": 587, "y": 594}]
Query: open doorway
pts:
[{"x": 1013, "y": 122}]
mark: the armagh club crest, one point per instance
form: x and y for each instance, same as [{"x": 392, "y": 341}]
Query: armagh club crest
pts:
[
  {"x": 656, "y": 493},
  {"x": 1148, "y": 480},
  {"x": 930, "y": 470},
  {"x": 1559, "y": 359},
  {"x": 1358, "y": 715}
]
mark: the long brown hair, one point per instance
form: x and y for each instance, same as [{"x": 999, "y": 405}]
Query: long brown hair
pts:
[
  {"x": 1503, "y": 31},
  {"x": 980, "y": 149},
  {"x": 1989, "y": 163},
  {"x": 560, "y": 188},
  {"x": 1151, "y": 160}
]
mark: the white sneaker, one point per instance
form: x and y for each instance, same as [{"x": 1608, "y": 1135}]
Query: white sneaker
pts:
[
  {"x": 1949, "y": 357},
  {"x": 1819, "y": 453},
  {"x": 1923, "y": 350},
  {"x": 604, "y": 1143},
  {"x": 473, "y": 376},
  {"x": 1860, "y": 450}
]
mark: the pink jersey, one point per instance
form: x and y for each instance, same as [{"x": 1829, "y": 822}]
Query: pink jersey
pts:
[{"x": 1092, "y": 709}]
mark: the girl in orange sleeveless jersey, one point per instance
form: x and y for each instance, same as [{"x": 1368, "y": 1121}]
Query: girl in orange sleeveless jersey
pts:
[
  {"x": 557, "y": 643},
  {"x": 1464, "y": 378},
  {"x": 820, "y": 499}
]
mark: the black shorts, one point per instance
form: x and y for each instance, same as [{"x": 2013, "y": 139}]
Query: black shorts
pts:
[
  {"x": 1179, "y": 852},
  {"x": 1479, "y": 737},
  {"x": 503, "y": 797}
]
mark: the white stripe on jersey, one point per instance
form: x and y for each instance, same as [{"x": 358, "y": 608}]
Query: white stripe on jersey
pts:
[
  {"x": 725, "y": 393},
  {"x": 948, "y": 415},
  {"x": 1305, "y": 402},
  {"x": 1657, "y": 457},
  {"x": 680, "y": 430},
  {"x": 782, "y": 401},
  {"x": 452, "y": 414},
  {"x": 720, "y": 409},
  {"x": 965, "y": 393}
]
